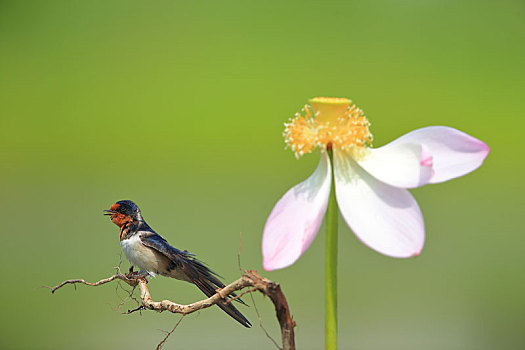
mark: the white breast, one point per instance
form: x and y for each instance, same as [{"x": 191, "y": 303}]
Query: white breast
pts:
[{"x": 145, "y": 258}]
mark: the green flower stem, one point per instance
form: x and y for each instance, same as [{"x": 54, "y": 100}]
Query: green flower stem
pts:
[{"x": 330, "y": 287}]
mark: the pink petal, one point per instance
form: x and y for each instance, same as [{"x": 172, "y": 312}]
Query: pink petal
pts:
[
  {"x": 405, "y": 165},
  {"x": 296, "y": 218},
  {"x": 454, "y": 153},
  {"x": 385, "y": 218},
  {"x": 426, "y": 157}
]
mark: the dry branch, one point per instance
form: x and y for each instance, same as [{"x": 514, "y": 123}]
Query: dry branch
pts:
[{"x": 250, "y": 278}]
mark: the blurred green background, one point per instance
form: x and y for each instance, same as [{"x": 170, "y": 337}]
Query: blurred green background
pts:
[{"x": 179, "y": 106}]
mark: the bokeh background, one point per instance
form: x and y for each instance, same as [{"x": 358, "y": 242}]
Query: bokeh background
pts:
[{"x": 179, "y": 105}]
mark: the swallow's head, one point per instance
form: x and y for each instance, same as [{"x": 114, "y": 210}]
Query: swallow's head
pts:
[{"x": 123, "y": 212}]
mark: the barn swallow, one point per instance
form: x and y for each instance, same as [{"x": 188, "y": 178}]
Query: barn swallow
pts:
[{"x": 153, "y": 255}]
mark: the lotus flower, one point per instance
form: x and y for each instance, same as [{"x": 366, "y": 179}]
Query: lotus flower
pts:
[{"x": 370, "y": 183}]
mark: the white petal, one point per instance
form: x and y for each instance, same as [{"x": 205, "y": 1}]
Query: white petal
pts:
[
  {"x": 296, "y": 218},
  {"x": 454, "y": 153},
  {"x": 405, "y": 165},
  {"x": 383, "y": 217}
]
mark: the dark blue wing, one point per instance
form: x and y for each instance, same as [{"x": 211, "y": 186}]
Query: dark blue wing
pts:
[{"x": 196, "y": 271}]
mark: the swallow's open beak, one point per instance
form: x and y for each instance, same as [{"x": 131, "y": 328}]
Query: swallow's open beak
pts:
[{"x": 109, "y": 212}]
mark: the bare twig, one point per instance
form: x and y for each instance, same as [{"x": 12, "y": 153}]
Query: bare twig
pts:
[
  {"x": 169, "y": 333},
  {"x": 227, "y": 301},
  {"x": 239, "y": 253},
  {"x": 131, "y": 281},
  {"x": 139, "y": 308},
  {"x": 250, "y": 278},
  {"x": 251, "y": 296},
  {"x": 127, "y": 298},
  {"x": 119, "y": 262},
  {"x": 261, "y": 324}
]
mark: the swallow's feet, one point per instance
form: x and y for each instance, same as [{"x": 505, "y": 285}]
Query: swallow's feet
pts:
[
  {"x": 135, "y": 275},
  {"x": 130, "y": 270}
]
